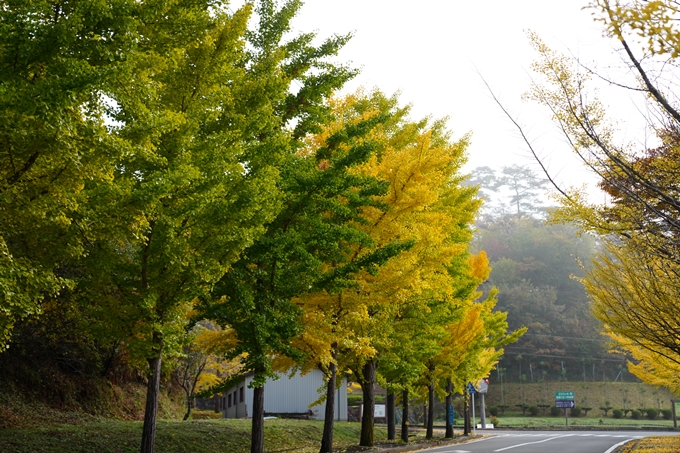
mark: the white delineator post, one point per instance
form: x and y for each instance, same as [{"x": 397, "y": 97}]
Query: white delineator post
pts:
[{"x": 483, "y": 387}]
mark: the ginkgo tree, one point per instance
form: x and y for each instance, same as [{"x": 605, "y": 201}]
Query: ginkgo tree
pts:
[
  {"x": 421, "y": 331},
  {"x": 325, "y": 315},
  {"x": 430, "y": 207},
  {"x": 304, "y": 249},
  {"x": 473, "y": 340},
  {"x": 634, "y": 295},
  {"x": 200, "y": 116}
]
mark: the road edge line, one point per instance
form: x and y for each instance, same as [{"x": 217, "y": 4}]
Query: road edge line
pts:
[{"x": 614, "y": 447}]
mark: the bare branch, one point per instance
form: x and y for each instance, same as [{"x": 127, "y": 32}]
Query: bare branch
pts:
[{"x": 526, "y": 140}]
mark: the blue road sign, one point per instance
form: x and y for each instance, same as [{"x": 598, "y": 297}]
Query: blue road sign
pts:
[
  {"x": 451, "y": 415},
  {"x": 471, "y": 388},
  {"x": 565, "y": 404}
]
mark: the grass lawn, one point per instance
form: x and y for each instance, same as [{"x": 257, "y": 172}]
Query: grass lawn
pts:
[
  {"x": 204, "y": 436},
  {"x": 512, "y": 421}
]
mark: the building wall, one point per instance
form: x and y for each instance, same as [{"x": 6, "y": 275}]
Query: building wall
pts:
[
  {"x": 237, "y": 400},
  {"x": 286, "y": 396}
]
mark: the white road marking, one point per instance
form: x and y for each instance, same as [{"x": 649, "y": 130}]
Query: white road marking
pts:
[
  {"x": 614, "y": 447},
  {"x": 531, "y": 443}
]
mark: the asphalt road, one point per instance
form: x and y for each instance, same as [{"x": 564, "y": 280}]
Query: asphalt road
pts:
[{"x": 549, "y": 441}]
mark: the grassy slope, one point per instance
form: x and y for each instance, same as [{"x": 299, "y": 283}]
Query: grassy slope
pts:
[
  {"x": 19, "y": 410},
  {"x": 206, "y": 436},
  {"x": 592, "y": 394}
]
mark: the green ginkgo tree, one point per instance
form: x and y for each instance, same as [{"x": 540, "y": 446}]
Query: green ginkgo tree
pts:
[{"x": 202, "y": 115}]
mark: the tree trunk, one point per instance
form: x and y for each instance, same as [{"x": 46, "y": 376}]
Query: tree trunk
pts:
[
  {"x": 151, "y": 409},
  {"x": 329, "y": 415},
  {"x": 189, "y": 406},
  {"x": 391, "y": 429},
  {"x": 425, "y": 416},
  {"x": 430, "y": 411},
  {"x": 449, "y": 407},
  {"x": 404, "y": 416},
  {"x": 466, "y": 415},
  {"x": 367, "y": 383},
  {"x": 257, "y": 430}
]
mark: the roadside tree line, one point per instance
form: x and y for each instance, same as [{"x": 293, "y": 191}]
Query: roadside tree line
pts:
[{"x": 169, "y": 163}]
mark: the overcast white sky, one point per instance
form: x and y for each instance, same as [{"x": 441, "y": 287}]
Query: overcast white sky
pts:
[{"x": 433, "y": 52}]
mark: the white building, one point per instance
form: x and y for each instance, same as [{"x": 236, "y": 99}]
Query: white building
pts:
[{"x": 285, "y": 396}]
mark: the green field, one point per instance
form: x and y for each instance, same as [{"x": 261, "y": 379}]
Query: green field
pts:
[{"x": 518, "y": 421}]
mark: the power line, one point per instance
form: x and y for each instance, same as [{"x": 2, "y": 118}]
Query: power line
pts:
[
  {"x": 566, "y": 338},
  {"x": 567, "y": 357}
]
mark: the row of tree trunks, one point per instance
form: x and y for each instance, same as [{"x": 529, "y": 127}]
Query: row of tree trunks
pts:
[
  {"x": 367, "y": 382},
  {"x": 429, "y": 414}
]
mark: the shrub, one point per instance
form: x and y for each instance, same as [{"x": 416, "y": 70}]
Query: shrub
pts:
[
  {"x": 523, "y": 406},
  {"x": 543, "y": 407},
  {"x": 205, "y": 415},
  {"x": 652, "y": 414},
  {"x": 575, "y": 411},
  {"x": 354, "y": 400},
  {"x": 636, "y": 414},
  {"x": 533, "y": 410},
  {"x": 667, "y": 414},
  {"x": 555, "y": 411},
  {"x": 617, "y": 413},
  {"x": 493, "y": 410},
  {"x": 494, "y": 421}
]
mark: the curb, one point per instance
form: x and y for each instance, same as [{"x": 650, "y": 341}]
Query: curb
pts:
[{"x": 426, "y": 445}]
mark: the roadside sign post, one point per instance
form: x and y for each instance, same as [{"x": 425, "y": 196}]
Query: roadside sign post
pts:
[
  {"x": 474, "y": 420},
  {"x": 471, "y": 390},
  {"x": 675, "y": 407},
  {"x": 565, "y": 400}
]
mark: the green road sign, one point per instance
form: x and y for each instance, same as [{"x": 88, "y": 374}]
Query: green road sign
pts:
[{"x": 564, "y": 396}]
